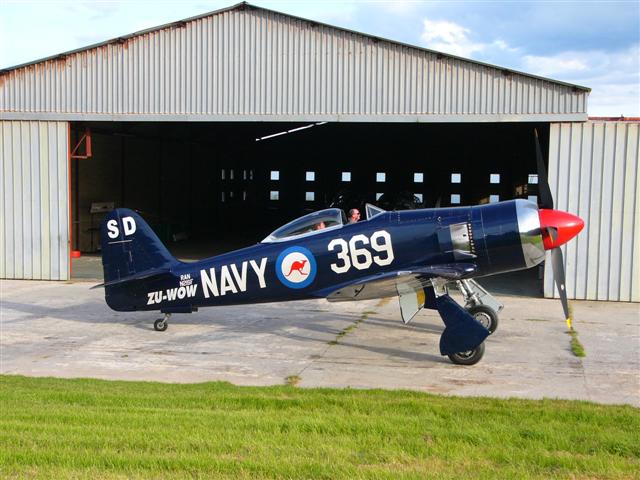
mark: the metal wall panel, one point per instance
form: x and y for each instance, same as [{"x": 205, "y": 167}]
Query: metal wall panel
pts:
[
  {"x": 34, "y": 220},
  {"x": 255, "y": 64},
  {"x": 593, "y": 172}
]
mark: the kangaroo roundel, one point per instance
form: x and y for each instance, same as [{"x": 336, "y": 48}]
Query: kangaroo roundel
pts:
[{"x": 296, "y": 267}]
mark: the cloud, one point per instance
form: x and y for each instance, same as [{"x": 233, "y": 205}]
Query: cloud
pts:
[
  {"x": 449, "y": 37},
  {"x": 561, "y": 64},
  {"x": 612, "y": 74}
]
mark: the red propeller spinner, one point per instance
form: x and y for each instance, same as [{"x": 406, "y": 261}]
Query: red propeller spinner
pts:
[{"x": 558, "y": 227}]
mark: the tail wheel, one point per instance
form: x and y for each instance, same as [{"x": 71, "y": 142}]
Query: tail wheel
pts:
[
  {"x": 160, "y": 325},
  {"x": 470, "y": 357},
  {"x": 487, "y": 317}
]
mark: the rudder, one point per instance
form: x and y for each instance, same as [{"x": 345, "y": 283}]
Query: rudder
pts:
[{"x": 130, "y": 247}]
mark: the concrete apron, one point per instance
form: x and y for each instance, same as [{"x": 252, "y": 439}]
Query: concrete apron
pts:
[{"x": 66, "y": 330}]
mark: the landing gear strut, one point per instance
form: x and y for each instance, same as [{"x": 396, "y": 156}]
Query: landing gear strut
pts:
[
  {"x": 161, "y": 324},
  {"x": 480, "y": 304}
]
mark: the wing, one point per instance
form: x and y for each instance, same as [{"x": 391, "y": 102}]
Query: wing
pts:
[{"x": 397, "y": 282}]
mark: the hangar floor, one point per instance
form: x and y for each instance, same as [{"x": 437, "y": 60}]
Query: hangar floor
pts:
[{"x": 67, "y": 330}]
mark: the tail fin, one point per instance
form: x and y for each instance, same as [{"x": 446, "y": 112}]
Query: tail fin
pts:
[{"x": 130, "y": 249}]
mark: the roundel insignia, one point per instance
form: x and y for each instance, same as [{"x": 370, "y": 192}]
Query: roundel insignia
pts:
[{"x": 296, "y": 267}]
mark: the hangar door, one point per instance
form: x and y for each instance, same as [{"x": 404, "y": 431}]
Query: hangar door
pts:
[
  {"x": 206, "y": 188},
  {"x": 594, "y": 173},
  {"x": 34, "y": 224}
]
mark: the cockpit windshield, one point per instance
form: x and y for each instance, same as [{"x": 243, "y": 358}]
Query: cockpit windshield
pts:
[{"x": 311, "y": 224}]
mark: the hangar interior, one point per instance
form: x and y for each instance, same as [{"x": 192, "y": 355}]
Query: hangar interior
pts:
[{"x": 208, "y": 187}]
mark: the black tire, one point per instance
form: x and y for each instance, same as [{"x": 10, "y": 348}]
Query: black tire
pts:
[
  {"x": 487, "y": 316},
  {"x": 160, "y": 325},
  {"x": 468, "y": 358}
]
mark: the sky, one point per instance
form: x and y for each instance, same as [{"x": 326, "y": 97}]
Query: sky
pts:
[{"x": 590, "y": 43}]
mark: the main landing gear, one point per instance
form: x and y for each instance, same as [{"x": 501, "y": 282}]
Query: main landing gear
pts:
[
  {"x": 161, "y": 324},
  {"x": 480, "y": 304},
  {"x": 470, "y": 357},
  {"x": 466, "y": 327}
]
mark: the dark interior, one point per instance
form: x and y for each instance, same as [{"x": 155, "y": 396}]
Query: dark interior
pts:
[{"x": 207, "y": 187}]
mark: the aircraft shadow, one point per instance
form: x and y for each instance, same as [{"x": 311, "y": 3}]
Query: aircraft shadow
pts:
[{"x": 226, "y": 321}]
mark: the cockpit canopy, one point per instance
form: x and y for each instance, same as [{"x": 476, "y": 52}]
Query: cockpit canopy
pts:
[{"x": 316, "y": 222}]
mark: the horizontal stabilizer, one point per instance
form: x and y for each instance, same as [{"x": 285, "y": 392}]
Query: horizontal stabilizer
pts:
[{"x": 146, "y": 274}]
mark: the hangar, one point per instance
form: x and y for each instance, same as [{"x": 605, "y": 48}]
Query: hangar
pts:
[{"x": 227, "y": 124}]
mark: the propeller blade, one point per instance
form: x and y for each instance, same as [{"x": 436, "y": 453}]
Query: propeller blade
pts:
[
  {"x": 557, "y": 263},
  {"x": 544, "y": 191},
  {"x": 553, "y": 233}
]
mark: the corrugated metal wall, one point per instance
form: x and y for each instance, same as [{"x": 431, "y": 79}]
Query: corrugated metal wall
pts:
[
  {"x": 34, "y": 225},
  {"x": 260, "y": 65},
  {"x": 594, "y": 173}
]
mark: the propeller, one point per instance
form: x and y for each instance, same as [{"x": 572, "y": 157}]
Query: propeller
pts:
[
  {"x": 545, "y": 199},
  {"x": 557, "y": 229}
]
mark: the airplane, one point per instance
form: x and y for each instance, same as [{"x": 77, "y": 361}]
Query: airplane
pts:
[{"x": 412, "y": 254}]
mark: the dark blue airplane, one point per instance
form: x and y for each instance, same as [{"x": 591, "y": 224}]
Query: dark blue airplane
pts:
[{"x": 412, "y": 254}]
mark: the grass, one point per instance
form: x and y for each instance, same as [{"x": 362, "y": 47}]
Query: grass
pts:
[
  {"x": 57, "y": 428},
  {"x": 576, "y": 347},
  {"x": 350, "y": 328},
  {"x": 293, "y": 380}
]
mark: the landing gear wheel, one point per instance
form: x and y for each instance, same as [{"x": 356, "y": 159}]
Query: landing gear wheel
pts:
[
  {"x": 487, "y": 317},
  {"x": 160, "y": 325},
  {"x": 468, "y": 358}
]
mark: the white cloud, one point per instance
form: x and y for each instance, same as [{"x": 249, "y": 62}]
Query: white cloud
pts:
[
  {"x": 613, "y": 76},
  {"x": 554, "y": 65},
  {"x": 449, "y": 37}
]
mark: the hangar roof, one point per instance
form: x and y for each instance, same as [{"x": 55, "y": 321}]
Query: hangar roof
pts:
[{"x": 247, "y": 63}]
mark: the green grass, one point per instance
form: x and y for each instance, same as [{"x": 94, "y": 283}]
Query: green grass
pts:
[
  {"x": 350, "y": 328},
  {"x": 293, "y": 380},
  {"x": 576, "y": 347},
  {"x": 57, "y": 428}
]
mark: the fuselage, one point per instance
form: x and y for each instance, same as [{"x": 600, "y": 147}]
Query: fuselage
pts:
[{"x": 495, "y": 238}]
